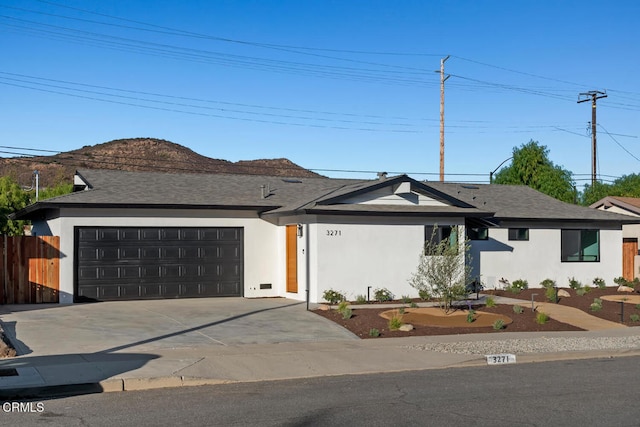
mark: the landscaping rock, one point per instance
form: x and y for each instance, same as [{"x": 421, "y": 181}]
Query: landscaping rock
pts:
[
  {"x": 324, "y": 307},
  {"x": 406, "y": 328},
  {"x": 563, "y": 293},
  {"x": 625, "y": 289}
]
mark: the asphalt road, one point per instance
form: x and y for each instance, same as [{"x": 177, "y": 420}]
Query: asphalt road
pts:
[{"x": 596, "y": 392}]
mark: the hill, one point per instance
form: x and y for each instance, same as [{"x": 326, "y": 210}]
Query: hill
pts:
[{"x": 138, "y": 154}]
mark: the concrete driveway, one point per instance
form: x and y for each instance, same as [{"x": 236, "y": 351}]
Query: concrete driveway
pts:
[{"x": 147, "y": 326}]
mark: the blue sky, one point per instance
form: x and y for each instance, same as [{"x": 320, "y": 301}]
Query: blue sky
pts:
[{"x": 332, "y": 85}]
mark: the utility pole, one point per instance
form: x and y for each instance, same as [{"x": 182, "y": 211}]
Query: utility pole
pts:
[
  {"x": 443, "y": 78},
  {"x": 594, "y": 95}
]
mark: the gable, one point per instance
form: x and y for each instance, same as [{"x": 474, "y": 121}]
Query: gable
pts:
[{"x": 399, "y": 194}]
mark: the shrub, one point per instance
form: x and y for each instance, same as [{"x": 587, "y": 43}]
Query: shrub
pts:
[
  {"x": 518, "y": 309},
  {"x": 373, "y": 332},
  {"x": 518, "y": 285},
  {"x": 395, "y": 322},
  {"x": 574, "y": 284},
  {"x": 343, "y": 306},
  {"x": 599, "y": 283},
  {"x": 498, "y": 325},
  {"x": 634, "y": 317},
  {"x": 470, "y": 316},
  {"x": 550, "y": 294},
  {"x": 333, "y": 297},
  {"x": 582, "y": 291},
  {"x": 382, "y": 295},
  {"x": 414, "y": 305},
  {"x": 596, "y": 305},
  {"x": 490, "y": 302},
  {"x": 401, "y": 310},
  {"x": 361, "y": 299},
  {"x": 541, "y": 318},
  {"x": 346, "y": 313},
  {"x": 621, "y": 281},
  {"x": 406, "y": 299},
  {"x": 424, "y": 294},
  {"x": 548, "y": 283},
  {"x": 637, "y": 306}
]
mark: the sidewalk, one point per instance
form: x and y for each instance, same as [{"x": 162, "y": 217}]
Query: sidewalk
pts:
[{"x": 156, "y": 367}]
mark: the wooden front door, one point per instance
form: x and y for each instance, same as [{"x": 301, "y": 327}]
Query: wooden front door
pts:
[
  {"x": 629, "y": 251},
  {"x": 292, "y": 258}
]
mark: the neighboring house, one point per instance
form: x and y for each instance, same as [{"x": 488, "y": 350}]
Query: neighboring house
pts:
[
  {"x": 630, "y": 232},
  {"x": 134, "y": 235}
]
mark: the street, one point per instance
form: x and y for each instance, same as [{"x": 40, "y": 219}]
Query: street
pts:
[{"x": 595, "y": 392}]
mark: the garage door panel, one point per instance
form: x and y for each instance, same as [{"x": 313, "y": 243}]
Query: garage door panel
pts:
[{"x": 155, "y": 262}]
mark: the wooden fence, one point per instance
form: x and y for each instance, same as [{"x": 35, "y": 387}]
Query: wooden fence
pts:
[{"x": 29, "y": 269}]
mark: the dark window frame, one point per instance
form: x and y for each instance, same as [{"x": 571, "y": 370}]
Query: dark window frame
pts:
[
  {"x": 519, "y": 234},
  {"x": 574, "y": 243},
  {"x": 477, "y": 233},
  {"x": 443, "y": 232}
]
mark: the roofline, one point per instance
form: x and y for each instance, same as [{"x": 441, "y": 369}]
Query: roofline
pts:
[
  {"x": 316, "y": 211},
  {"x": 613, "y": 200},
  {"x": 41, "y": 206}
]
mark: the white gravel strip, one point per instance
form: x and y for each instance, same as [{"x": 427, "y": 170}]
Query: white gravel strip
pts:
[{"x": 532, "y": 345}]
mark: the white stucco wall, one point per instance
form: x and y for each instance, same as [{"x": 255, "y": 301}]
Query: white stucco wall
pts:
[
  {"x": 350, "y": 257},
  {"x": 539, "y": 258},
  {"x": 261, "y": 238}
]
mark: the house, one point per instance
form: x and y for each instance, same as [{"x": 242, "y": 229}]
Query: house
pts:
[
  {"x": 630, "y": 232},
  {"x": 135, "y": 235}
]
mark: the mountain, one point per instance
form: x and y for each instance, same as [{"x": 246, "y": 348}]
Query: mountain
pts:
[{"x": 138, "y": 154}]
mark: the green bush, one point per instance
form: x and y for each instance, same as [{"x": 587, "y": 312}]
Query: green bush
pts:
[
  {"x": 373, "y": 332},
  {"x": 395, "y": 322},
  {"x": 584, "y": 290},
  {"x": 414, "y": 305},
  {"x": 333, "y": 297},
  {"x": 548, "y": 283},
  {"x": 406, "y": 299},
  {"x": 343, "y": 306},
  {"x": 596, "y": 305},
  {"x": 634, "y": 317},
  {"x": 424, "y": 294},
  {"x": 637, "y": 306},
  {"x": 518, "y": 309},
  {"x": 574, "y": 284},
  {"x": 382, "y": 295},
  {"x": 550, "y": 294},
  {"x": 519, "y": 285},
  {"x": 621, "y": 281},
  {"x": 599, "y": 282},
  {"x": 498, "y": 325},
  {"x": 346, "y": 313},
  {"x": 490, "y": 302},
  {"x": 471, "y": 316},
  {"x": 361, "y": 299},
  {"x": 541, "y": 318}
]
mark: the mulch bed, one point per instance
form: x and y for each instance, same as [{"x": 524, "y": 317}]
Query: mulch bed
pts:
[{"x": 365, "y": 319}]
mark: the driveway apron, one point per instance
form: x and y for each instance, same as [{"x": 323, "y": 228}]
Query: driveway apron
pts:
[{"x": 145, "y": 326}]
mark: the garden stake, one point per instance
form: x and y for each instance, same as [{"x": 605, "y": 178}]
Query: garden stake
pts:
[
  {"x": 532, "y": 300},
  {"x": 621, "y": 311}
]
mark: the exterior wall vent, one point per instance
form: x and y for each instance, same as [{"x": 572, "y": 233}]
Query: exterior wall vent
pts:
[{"x": 265, "y": 286}]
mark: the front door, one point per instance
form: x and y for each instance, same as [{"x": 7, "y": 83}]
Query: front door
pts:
[
  {"x": 292, "y": 258},
  {"x": 629, "y": 251}
]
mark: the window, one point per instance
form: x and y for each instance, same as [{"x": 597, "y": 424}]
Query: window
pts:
[
  {"x": 518, "y": 234},
  {"x": 477, "y": 233},
  {"x": 436, "y": 234},
  {"x": 580, "y": 245}
]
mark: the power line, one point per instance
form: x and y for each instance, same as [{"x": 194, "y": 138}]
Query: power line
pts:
[{"x": 620, "y": 145}]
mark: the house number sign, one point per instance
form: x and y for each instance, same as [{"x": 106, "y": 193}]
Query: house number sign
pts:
[
  {"x": 334, "y": 233},
  {"x": 500, "y": 359}
]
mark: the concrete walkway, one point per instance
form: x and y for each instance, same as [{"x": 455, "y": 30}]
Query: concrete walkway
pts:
[
  {"x": 137, "y": 345},
  {"x": 569, "y": 315}
]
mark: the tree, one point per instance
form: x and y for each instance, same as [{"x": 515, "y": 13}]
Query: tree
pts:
[
  {"x": 12, "y": 198},
  {"x": 443, "y": 270},
  {"x": 531, "y": 167},
  {"x": 625, "y": 186}
]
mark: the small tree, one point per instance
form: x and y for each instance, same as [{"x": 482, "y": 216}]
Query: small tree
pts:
[
  {"x": 12, "y": 198},
  {"x": 443, "y": 270}
]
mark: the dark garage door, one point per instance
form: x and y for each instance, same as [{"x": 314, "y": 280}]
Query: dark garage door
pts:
[{"x": 159, "y": 262}]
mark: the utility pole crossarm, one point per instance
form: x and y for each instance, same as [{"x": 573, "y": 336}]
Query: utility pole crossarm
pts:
[{"x": 592, "y": 95}]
